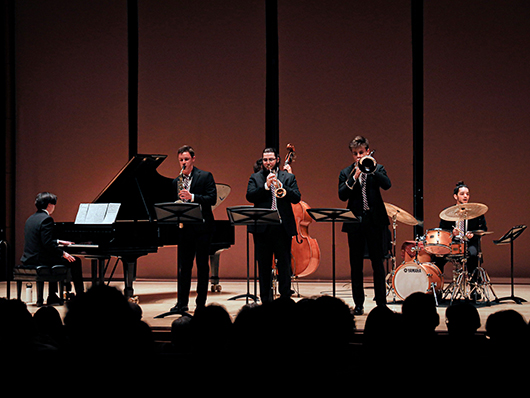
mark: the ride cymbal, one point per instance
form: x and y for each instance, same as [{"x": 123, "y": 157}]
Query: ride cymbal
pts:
[{"x": 465, "y": 211}]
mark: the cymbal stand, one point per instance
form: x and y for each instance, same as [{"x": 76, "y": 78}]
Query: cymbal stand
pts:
[
  {"x": 482, "y": 283},
  {"x": 458, "y": 288},
  {"x": 390, "y": 276}
]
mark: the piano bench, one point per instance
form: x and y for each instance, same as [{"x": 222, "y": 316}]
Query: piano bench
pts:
[{"x": 40, "y": 274}]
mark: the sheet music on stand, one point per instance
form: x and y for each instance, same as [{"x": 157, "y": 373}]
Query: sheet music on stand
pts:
[{"x": 97, "y": 213}]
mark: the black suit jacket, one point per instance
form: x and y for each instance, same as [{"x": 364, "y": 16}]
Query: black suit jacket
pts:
[
  {"x": 205, "y": 193},
  {"x": 262, "y": 198},
  {"x": 40, "y": 248},
  {"x": 374, "y": 183}
]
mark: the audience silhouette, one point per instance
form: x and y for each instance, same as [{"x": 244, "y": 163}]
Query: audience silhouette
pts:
[{"x": 283, "y": 335}]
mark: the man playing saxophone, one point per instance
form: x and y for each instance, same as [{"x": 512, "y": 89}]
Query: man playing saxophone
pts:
[
  {"x": 196, "y": 186},
  {"x": 272, "y": 188}
]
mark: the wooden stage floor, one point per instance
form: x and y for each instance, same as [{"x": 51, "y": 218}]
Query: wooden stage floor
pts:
[{"x": 157, "y": 296}]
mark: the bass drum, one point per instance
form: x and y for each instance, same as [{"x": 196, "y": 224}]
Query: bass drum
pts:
[{"x": 415, "y": 277}]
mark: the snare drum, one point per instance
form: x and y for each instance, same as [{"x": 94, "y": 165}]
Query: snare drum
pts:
[
  {"x": 413, "y": 277},
  {"x": 410, "y": 252},
  {"x": 438, "y": 241},
  {"x": 458, "y": 249}
]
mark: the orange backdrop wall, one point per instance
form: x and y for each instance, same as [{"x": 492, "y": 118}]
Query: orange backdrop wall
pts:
[{"x": 345, "y": 69}]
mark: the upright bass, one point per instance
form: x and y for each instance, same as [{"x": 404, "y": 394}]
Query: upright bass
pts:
[{"x": 305, "y": 252}]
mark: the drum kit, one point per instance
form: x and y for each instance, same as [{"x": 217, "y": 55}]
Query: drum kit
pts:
[{"x": 418, "y": 273}]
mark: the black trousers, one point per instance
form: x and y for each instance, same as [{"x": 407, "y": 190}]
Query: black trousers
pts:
[
  {"x": 75, "y": 275},
  {"x": 367, "y": 235},
  {"x": 193, "y": 246},
  {"x": 275, "y": 241}
]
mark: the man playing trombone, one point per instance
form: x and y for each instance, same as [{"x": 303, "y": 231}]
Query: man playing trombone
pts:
[
  {"x": 360, "y": 185},
  {"x": 273, "y": 188}
]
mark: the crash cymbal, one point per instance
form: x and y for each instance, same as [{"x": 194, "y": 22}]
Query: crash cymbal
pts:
[
  {"x": 400, "y": 214},
  {"x": 223, "y": 190},
  {"x": 464, "y": 211}
]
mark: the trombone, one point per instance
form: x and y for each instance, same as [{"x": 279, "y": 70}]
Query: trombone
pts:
[{"x": 367, "y": 164}]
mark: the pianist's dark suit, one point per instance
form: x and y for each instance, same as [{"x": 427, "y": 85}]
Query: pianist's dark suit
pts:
[
  {"x": 40, "y": 248},
  {"x": 272, "y": 239},
  {"x": 195, "y": 240}
]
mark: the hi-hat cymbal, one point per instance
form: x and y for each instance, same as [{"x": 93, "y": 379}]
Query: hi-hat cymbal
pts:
[
  {"x": 400, "y": 214},
  {"x": 481, "y": 232},
  {"x": 465, "y": 211}
]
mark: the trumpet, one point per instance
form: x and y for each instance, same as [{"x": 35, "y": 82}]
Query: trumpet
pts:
[
  {"x": 279, "y": 190},
  {"x": 367, "y": 164}
]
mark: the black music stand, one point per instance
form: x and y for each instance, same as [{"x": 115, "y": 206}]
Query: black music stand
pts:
[
  {"x": 249, "y": 215},
  {"x": 508, "y": 238},
  {"x": 332, "y": 215},
  {"x": 178, "y": 213}
]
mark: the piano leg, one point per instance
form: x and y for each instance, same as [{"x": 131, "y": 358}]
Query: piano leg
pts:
[
  {"x": 214, "y": 271},
  {"x": 97, "y": 265},
  {"x": 129, "y": 275}
]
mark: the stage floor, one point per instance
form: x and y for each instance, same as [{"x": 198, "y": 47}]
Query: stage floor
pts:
[{"x": 157, "y": 296}]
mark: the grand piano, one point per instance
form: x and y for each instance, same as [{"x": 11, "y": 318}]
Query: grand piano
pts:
[{"x": 136, "y": 231}]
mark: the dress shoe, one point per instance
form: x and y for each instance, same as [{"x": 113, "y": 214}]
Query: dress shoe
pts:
[
  {"x": 54, "y": 300},
  {"x": 358, "y": 310},
  {"x": 180, "y": 308}
]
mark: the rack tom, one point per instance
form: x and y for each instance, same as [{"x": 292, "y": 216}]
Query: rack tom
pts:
[{"x": 438, "y": 241}]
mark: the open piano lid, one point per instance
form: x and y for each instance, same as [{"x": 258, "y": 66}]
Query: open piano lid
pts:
[{"x": 138, "y": 186}]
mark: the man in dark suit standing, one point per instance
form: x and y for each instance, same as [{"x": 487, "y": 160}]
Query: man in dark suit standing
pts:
[
  {"x": 362, "y": 191},
  {"x": 40, "y": 247},
  {"x": 195, "y": 186},
  {"x": 274, "y": 240}
]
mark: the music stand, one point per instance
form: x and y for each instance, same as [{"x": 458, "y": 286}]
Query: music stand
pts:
[
  {"x": 249, "y": 215},
  {"x": 332, "y": 215},
  {"x": 508, "y": 238},
  {"x": 178, "y": 213}
]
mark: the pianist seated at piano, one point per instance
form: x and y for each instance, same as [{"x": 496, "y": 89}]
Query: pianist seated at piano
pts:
[
  {"x": 40, "y": 247},
  {"x": 197, "y": 186}
]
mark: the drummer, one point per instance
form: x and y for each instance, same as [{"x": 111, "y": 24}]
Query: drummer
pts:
[{"x": 463, "y": 230}]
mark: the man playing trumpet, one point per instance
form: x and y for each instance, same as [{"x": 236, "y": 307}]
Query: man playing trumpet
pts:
[{"x": 273, "y": 188}]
